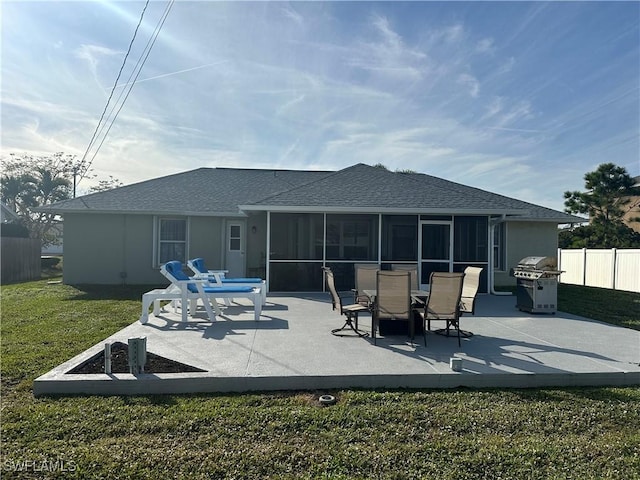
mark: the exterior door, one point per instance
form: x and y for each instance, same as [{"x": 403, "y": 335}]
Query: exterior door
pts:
[
  {"x": 436, "y": 244},
  {"x": 235, "y": 244}
]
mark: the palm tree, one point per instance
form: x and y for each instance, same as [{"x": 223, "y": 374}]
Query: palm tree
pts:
[
  {"x": 10, "y": 190},
  {"x": 44, "y": 188},
  {"x": 24, "y": 192}
]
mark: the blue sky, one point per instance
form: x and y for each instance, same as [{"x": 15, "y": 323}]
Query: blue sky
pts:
[{"x": 519, "y": 98}]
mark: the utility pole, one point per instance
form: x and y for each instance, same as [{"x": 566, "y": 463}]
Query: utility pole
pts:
[{"x": 75, "y": 173}]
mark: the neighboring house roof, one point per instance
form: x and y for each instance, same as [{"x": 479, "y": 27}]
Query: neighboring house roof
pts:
[
  {"x": 6, "y": 214},
  {"x": 359, "y": 188}
]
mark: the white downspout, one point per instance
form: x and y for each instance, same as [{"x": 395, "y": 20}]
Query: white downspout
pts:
[
  {"x": 492, "y": 227},
  {"x": 268, "y": 252}
]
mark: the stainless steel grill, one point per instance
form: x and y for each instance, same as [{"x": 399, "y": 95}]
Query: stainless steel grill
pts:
[{"x": 537, "y": 284}]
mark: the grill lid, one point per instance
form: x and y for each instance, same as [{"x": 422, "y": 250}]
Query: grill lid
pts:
[{"x": 538, "y": 263}]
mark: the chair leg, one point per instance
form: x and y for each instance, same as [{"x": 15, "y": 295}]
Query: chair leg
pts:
[
  {"x": 412, "y": 328},
  {"x": 424, "y": 331},
  {"x": 374, "y": 326},
  {"x": 349, "y": 324}
]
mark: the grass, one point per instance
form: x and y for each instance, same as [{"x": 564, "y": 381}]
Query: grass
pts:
[
  {"x": 581, "y": 433},
  {"x": 611, "y": 306}
]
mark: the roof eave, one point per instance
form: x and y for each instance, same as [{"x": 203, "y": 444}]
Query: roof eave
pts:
[
  {"x": 524, "y": 218},
  {"x": 388, "y": 210},
  {"x": 181, "y": 213}
]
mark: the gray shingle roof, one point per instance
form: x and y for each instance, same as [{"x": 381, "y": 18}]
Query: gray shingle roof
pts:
[
  {"x": 204, "y": 191},
  {"x": 362, "y": 187},
  {"x": 222, "y": 191}
]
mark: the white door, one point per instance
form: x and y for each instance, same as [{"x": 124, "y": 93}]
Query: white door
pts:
[{"x": 235, "y": 258}]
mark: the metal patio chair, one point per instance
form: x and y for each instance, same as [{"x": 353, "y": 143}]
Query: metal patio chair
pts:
[
  {"x": 350, "y": 311},
  {"x": 393, "y": 300},
  {"x": 470, "y": 287},
  {"x": 365, "y": 279},
  {"x": 443, "y": 302}
]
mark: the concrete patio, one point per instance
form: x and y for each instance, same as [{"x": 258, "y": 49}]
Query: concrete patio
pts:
[{"x": 291, "y": 348}]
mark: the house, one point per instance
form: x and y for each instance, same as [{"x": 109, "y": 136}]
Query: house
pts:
[
  {"x": 283, "y": 225},
  {"x": 7, "y": 214}
]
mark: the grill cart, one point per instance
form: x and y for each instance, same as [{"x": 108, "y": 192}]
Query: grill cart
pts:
[{"x": 537, "y": 284}]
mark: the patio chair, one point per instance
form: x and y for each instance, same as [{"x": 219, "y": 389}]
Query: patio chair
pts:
[
  {"x": 470, "y": 290},
  {"x": 187, "y": 291},
  {"x": 365, "y": 279},
  {"x": 219, "y": 278},
  {"x": 444, "y": 302},
  {"x": 350, "y": 311},
  {"x": 393, "y": 300},
  {"x": 397, "y": 267}
]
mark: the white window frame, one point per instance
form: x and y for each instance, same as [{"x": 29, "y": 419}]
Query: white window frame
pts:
[{"x": 157, "y": 222}]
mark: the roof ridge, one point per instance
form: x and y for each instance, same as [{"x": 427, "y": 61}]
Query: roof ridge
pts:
[
  {"x": 303, "y": 185},
  {"x": 268, "y": 169}
]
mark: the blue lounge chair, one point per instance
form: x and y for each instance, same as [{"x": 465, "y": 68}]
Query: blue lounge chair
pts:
[
  {"x": 219, "y": 278},
  {"x": 189, "y": 290}
]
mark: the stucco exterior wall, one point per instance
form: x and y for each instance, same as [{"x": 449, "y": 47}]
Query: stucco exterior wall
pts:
[
  {"x": 206, "y": 240},
  {"x": 526, "y": 239},
  {"x": 117, "y": 249},
  {"x": 256, "y": 245},
  {"x": 96, "y": 247}
]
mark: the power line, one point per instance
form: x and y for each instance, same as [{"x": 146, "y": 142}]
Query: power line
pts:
[
  {"x": 111, "y": 117},
  {"x": 138, "y": 67},
  {"x": 95, "y": 133}
]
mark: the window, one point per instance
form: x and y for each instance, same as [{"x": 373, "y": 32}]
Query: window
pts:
[
  {"x": 172, "y": 240},
  {"x": 498, "y": 247},
  {"x": 234, "y": 238}
]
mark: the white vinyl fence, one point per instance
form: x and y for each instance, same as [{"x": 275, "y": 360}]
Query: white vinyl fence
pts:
[{"x": 618, "y": 269}]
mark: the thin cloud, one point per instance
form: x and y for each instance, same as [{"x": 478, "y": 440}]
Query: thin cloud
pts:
[
  {"x": 92, "y": 55},
  {"x": 290, "y": 13},
  {"x": 485, "y": 46},
  {"x": 470, "y": 82},
  {"x": 447, "y": 89}
]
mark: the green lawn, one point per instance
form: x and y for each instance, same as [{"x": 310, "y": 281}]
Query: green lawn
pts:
[{"x": 581, "y": 433}]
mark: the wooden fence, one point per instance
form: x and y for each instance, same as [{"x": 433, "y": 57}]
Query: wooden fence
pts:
[
  {"x": 20, "y": 260},
  {"x": 618, "y": 269}
]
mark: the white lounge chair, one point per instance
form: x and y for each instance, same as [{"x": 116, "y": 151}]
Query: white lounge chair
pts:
[
  {"x": 189, "y": 290},
  {"x": 219, "y": 278}
]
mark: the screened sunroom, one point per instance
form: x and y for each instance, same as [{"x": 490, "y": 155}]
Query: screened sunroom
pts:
[{"x": 299, "y": 244}]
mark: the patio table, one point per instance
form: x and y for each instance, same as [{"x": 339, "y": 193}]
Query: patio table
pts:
[{"x": 420, "y": 296}]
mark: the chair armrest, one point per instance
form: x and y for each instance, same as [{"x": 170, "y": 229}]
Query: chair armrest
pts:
[{"x": 191, "y": 280}]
